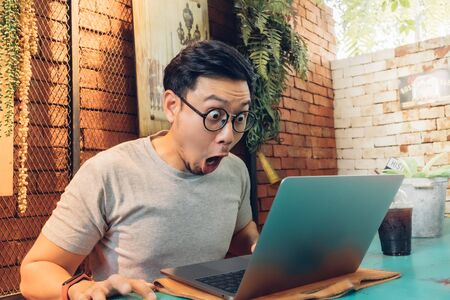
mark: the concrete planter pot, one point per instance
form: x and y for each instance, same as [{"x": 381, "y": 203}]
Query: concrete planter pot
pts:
[{"x": 427, "y": 196}]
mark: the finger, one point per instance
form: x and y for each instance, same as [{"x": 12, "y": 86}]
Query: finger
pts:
[
  {"x": 99, "y": 294},
  {"x": 120, "y": 284},
  {"x": 143, "y": 288}
]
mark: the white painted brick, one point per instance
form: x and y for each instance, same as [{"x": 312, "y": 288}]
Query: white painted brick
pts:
[
  {"x": 363, "y": 143},
  {"x": 344, "y": 103},
  {"x": 410, "y": 115},
  {"x": 365, "y": 164},
  {"x": 362, "y": 100},
  {"x": 447, "y": 110},
  {"x": 374, "y": 153},
  {"x": 409, "y": 138},
  {"x": 344, "y": 143},
  {"x": 361, "y": 59},
  {"x": 391, "y": 106},
  {"x": 362, "y": 79},
  {"x": 431, "y": 112},
  {"x": 442, "y": 62},
  {"x": 385, "y": 75},
  {"x": 346, "y": 164},
  {"x": 335, "y": 74},
  {"x": 447, "y": 206},
  {"x": 434, "y": 136},
  {"x": 392, "y": 85},
  {"x": 440, "y": 147},
  {"x": 393, "y": 151},
  {"x": 340, "y": 83},
  {"x": 340, "y": 133},
  {"x": 394, "y": 117},
  {"x": 351, "y": 154},
  {"x": 339, "y": 94},
  {"x": 354, "y": 132},
  {"x": 381, "y": 163},
  {"x": 385, "y": 141},
  {"x": 342, "y": 123},
  {"x": 422, "y": 125},
  {"x": 375, "y": 67},
  {"x": 353, "y": 112},
  {"x": 396, "y": 128},
  {"x": 375, "y": 131},
  {"x": 339, "y": 64},
  {"x": 354, "y": 91},
  {"x": 361, "y": 121},
  {"x": 415, "y": 58},
  {"x": 372, "y": 110},
  {"x": 383, "y": 54},
  {"x": 434, "y": 43},
  {"x": 354, "y": 71},
  {"x": 385, "y": 97},
  {"x": 404, "y": 71},
  {"x": 420, "y": 149},
  {"x": 376, "y": 87}
]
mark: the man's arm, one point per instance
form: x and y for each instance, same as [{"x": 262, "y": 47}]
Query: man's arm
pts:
[
  {"x": 47, "y": 266},
  {"x": 244, "y": 240}
]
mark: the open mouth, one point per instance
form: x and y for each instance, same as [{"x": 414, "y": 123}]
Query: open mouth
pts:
[{"x": 211, "y": 164}]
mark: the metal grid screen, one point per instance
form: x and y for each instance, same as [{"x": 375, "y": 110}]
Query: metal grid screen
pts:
[
  {"x": 107, "y": 111},
  {"x": 107, "y": 75}
]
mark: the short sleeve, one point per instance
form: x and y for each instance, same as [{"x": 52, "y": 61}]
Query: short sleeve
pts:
[
  {"x": 78, "y": 221},
  {"x": 245, "y": 213}
]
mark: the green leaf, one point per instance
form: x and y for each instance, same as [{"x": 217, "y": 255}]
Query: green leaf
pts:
[
  {"x": 394, "y": 5},
  {"x": 405, "y": 3},
  {"x": 432, "y": 161}
]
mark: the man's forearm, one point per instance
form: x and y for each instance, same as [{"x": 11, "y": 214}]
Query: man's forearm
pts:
[
  {"x": 244, "y": 239},
  {"x": 42, "y": 280}
]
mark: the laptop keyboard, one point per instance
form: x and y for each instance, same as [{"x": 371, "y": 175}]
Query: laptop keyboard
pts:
[{"x": 228, "y": 282}]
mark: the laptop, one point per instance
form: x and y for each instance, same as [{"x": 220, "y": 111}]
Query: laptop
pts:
[{"x": 318, "y": 227}]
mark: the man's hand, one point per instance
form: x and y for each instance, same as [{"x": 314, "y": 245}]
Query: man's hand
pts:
[{"x": 115, "y": 284}]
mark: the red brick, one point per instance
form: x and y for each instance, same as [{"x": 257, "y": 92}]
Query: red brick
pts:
[
  {"x": 297, "y": 117},
  {"x": 41, "y": 205},
  {"x": 324, "y": 153},
  {"x": 441, "y": 52},
  {"x": 94, "y": 99},
  {"x": 49, "y": 115},
  {"x": 46, "y": 92},
  {"x": 285, "y": 114},
  {"x": 266, "y": 203},
  {"x": 50, "y": 72},
  {"x": 308, "y": 97},
  {"x": 261, "y": 190},
  {"x": 107, "y": 121},
  {"x": 292, "y": 127},
  {"x": 286, "y": 139},
  {"x": 45, "y": 159},
  {"x": 299, "y": 140},
  {"x": 53, "y": 51},
  {"x": 21, "y": 228},
  {"x": 261, "y": 177},
  {"x": 267, "y": 150},
  {"x": 55, "y": 30},
  {"x": 293, "y": 172},
  {"x": 280, "y": 150},
  {"x": 10, "y": 280},
  {"x": 101, "y": 140},
  {"x": 287, "y": 163},
  {"x": 43, "y": 137},
  {"x": 46, "y": 182},
  {"x": 262, "y": 216},
  {"x": 53, "y": 10},
  {"x": 93, "y": 21},
  {"x": 299, "y": 83},
  {"x": 7, "y": 206}
]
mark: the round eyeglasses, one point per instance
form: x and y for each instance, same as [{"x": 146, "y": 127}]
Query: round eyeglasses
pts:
[{"x": 216, "y": 118}]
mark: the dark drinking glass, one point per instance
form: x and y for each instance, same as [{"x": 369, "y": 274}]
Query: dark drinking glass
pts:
[{"x": 395, "y": 232}]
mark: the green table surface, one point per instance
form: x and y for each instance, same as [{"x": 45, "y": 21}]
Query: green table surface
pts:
[{"x": 425, "y": 273}]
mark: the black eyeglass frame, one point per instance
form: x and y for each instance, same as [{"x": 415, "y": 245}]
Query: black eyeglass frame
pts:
[{"x": 233, "y": 117}]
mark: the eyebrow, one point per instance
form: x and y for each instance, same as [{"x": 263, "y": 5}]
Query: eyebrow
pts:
[{"x": 217, "y": 98}]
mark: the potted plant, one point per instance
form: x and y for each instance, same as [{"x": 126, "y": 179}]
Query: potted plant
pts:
[{"x": 426, "y": 191}]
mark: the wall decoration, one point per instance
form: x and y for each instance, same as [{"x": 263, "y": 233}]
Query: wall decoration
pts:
[{"x": 161, "y": 30}]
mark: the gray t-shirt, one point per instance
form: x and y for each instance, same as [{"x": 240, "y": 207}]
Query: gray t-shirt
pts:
[{"x": 134, "y": 214}]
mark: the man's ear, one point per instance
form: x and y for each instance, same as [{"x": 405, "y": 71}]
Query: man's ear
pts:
[{"x": 171, "y": 105}]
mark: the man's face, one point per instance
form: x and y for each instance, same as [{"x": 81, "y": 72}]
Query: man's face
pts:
[{"x": 202, "y": 150}]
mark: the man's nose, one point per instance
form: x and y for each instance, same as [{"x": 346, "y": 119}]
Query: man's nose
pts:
[{"x": 226, "y": 134}]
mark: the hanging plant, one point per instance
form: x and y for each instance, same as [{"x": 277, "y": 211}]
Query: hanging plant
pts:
[
  {"x": 9, "y": 62},
  {"x": 18, "y": 42},
  {"x": 274, "y": 49},
  {"x": 28, "y": 47}
]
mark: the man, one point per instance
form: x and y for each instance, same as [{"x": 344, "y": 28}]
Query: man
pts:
[{"x": 177, "y": 197}]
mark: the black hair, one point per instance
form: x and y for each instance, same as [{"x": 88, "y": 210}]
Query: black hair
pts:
[{"x": 206, "y": 58}]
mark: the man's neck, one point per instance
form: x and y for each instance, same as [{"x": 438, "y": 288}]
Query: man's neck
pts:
[{"x": 165, "y": 147}]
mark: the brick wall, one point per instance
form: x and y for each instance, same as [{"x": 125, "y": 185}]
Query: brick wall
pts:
[
  {"x": 370, "y": 125},
  {"x": 107, "y": 116},
  {"x": 307, "y": 144}
]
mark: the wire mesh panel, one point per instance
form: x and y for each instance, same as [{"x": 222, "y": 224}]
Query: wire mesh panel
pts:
[
  {"x": 107, "y": 75},
  {"x": 48, "y": 160}
]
